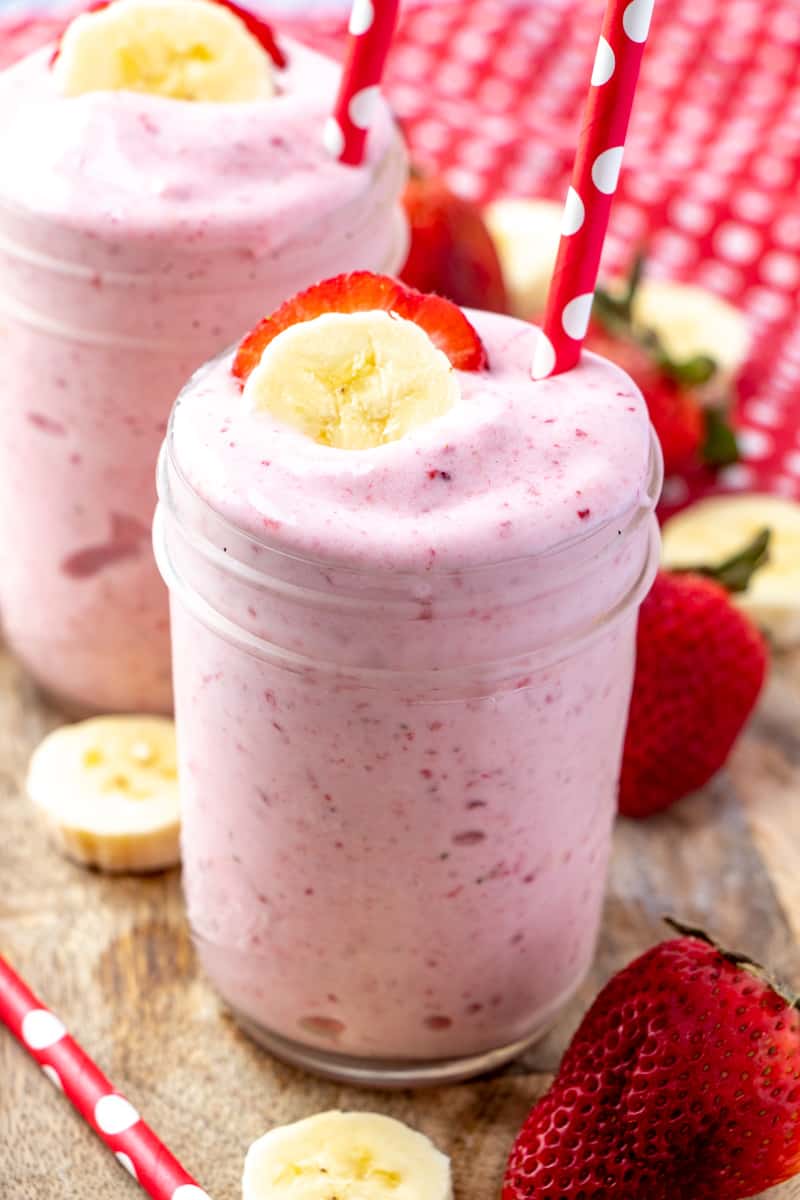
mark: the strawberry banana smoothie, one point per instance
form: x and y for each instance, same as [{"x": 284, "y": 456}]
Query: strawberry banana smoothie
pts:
[
  {"x": 402, "y": 678},
  {"x": 140, "y": 233}
]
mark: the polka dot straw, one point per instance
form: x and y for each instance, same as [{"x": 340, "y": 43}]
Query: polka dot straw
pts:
[
  {"x": 110, "y": 1115},
  {"x": 371, "y": 27},
  {"x": 594, "y": 181}
]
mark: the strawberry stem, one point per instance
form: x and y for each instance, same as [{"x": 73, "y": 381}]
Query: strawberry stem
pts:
[
  {"x": 614, "y": 311},
  {"x": 738, "y": 960},
  {"x": 735, "y": 572},
  {"x": 720, "y": 448}
]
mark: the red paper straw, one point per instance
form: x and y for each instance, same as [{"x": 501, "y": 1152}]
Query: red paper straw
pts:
[
  {"x": 594, "y": 181},
  {"x": 371, "y": 27},
  {"x": 110, "y": 1115}
]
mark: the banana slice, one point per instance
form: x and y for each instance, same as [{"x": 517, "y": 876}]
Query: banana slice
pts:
[
  {"x": 526, "y": 235},
  {"x": 183, "y": 49},
  {"x": 353, "y": 380},
  {"x": 108, "y": 790},
  {"x": 691, "y": 321},
  {"x": 711, "y": 530},
  {"x": 345, "y": 1156}
]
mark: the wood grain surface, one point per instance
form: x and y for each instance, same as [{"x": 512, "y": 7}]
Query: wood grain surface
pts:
[{"x": 113, "y": 958}]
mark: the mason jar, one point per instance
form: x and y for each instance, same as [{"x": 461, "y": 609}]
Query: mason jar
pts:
[
  {"x": 139, "y": 235},
  {"x": 398, "y": 787}
]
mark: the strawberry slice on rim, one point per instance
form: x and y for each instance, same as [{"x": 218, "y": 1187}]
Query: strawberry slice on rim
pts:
[
  {"x": 255, "y": 25},
  {"x": 362, "y": 291}
]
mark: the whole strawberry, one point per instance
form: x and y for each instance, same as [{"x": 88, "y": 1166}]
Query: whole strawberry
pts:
[
  {"x": 689, "y": 432},
  {"x": 677, "y": 417},
  {"x": 682, "y": 1083},
  {"x": 451, "y": 250},
  {"x": 700, "y": 666}
]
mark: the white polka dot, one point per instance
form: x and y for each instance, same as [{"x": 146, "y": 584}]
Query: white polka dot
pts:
[
  {"x": 630, "y": 221},
  {"x": 53, "y": 1075},
  {"x": 41, "y": 1029},
  {"x": 470, "y": 46},
  {"x": 764, "y": 413},
  {"x": 719, "y": 277},
  {"x": 411, "y": 61},
  {"x": 574, "y": 214},
  {"x": 644, "y": 187},
  {"x": 679, "y": 155},
  {"x": 673, "y": 249},
  {"x": 190, "y": 1191},
  {"x": 453, "y": 79},
  {"x": 786, "y": 486},
  {"x": 754, "y": 443},
  {"x": 752, "y": 206},
  {"x": 767, "y": 304},
  {"x": 787, "y": 230},
  {"x": 361, "y": 108},
  {"x": 332, "y": 137},
  {"x": 792, "y": 462},
  {"x": 781, "y": 270},
  {"x": 737, "y": 243},
  {"x": 362, "y": 15},
  {"x": 736, "y": 477},
  {"x": 125, "y": 1161},
  {"x": 606, "y": 169},
  {"x": 544, "y": 356},
  {"x": 675, "y": 490},
  {"x": 575, "y": 317},
  {"x": 408, "y": 101},
  {"x": 774, "y": 172},
  {"x": 604, "y": 63},
  {"x": 429, "y": 135},
  {"x": 114, "y": 1114},
  {"x": 691, "y": 215},
  {"x": 636, "y": 19},
  {"x": 709, "y": 186},
  {"x": 498, "y": 128},
  {"x": 466, "y": 183}
]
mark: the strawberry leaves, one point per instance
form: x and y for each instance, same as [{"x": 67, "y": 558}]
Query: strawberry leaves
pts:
[{"x": 613, "y": 312}]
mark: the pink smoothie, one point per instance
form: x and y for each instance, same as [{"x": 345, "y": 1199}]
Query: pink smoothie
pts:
[
  {"x": 139, "y": 235},
  {"x": 402, "y": 679}
]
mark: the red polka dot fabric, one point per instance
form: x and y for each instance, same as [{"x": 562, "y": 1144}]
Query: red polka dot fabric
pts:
[{"x": 490, "y": 93}]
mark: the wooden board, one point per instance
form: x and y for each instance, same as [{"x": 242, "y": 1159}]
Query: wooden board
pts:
[{"x": 113, "y": 958}]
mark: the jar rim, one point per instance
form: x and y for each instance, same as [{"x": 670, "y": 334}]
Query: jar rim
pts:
[
  {"x": 509, "y": 673},
  {"x": 592, "y": 542}
]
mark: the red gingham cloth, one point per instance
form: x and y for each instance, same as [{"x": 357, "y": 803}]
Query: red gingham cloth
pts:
[{"x": 490, "y": 94}]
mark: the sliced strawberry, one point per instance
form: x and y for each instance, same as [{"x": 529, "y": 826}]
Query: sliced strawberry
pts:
[
  {"x": 446, "y": 326},
  {"x": 256, "y": 27},
  {"x": 259, "y": 29},
  {"x": 362, "y": 291}
]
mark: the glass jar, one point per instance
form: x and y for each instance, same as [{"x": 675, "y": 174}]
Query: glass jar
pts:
[
  {"x": 398, "y": 789},
  {"x": 138, "y": 236}
]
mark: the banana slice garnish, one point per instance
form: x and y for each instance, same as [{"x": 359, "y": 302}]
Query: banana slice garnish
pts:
[
  {"x": 711, "y": 530},
  {"x": 353, "y": 380},
  {"x": 182, "y": 49},
  {"x": 107, "y": 789},
  {"x": 526, "y": 235},
  {"x": 346, "y": 1156}
]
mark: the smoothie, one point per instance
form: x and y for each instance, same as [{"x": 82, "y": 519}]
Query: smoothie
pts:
[
  {"x": 402, "y": 678},
  {"x": 138, "y": 235}
]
